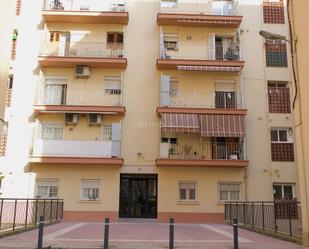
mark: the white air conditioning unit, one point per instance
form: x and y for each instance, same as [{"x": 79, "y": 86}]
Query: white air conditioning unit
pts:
[
  {"x": 95, "y": 119},
  {"x": 70, "y": 118},
  {"x": 82, "y": 71}
]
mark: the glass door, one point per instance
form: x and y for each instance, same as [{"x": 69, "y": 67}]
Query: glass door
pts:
[{"x": 138, "y": 196}]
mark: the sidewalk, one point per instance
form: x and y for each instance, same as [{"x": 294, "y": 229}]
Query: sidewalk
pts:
[{"x": 143, "y": 235}]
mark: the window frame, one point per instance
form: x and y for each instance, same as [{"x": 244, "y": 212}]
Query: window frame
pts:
[
  {"x": 110, "y": 80},
  {"x": 278, "y": 130},
  {"x": 169, "y": 3},
  {"x": 54, "y": 126},
  {"x": 110, "y": 136},
  {"x": 46, "y": 182},
  {"x": 98, "y": 181},
  {"x": 187, "y": 191},
  {"x": 229, "y": 191},
  {"x": 282, "y": 185}
]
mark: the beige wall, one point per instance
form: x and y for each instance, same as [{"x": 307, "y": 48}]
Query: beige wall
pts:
[{"x": 301, "y": 38}]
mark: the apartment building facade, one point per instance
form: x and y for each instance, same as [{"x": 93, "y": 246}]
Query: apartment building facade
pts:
[{"x": 151, "y": 109}]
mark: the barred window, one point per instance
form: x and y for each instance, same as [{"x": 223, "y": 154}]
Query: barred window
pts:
[
  {"x": 187, "y": 191},
  {"x": 279, "y": 97},
  {"x": 52, "y": 131},
  {"x": 276, "y": 53},
  {"x": 90, "y": 189},
  {"x": 168, "y": 3},
  {"x": 282, "y": 147},
  {"x": 273, "y": 11},
  {"x": 171, "y": 42},
  {"x": 47, "y": 188},
  {"x": 229, "y": 191},
  {"x": 112, "y": 85},
  {"x": 107, "y": 132}
]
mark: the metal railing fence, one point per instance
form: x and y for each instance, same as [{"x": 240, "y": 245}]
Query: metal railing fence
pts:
[
  {"x": 22, "y": 213},
  {"x": 282, "y": 217}
]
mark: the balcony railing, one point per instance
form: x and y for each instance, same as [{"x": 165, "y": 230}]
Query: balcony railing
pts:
[
  {"x": 63, "y": 95},
  {"x": 90, "y": 5},
  {"x": 224, "y": 8},
  {"x": 221, "y": 100},
  {"x": 199, "y": 51},
  {"x": 202, "y": 151},
  {"x": 83, "y": 49},
  {"x": 76, "y": 148}
]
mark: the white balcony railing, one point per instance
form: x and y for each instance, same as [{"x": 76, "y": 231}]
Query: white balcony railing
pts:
[
  {"x": 225, "y": 8},
  {"x": 199, "y": 50},
  {"x": 82, "y": 49},
  {"x": 202, "y": 151},
  {"x": 65, "y": 95},
  {"x": 71, "y": 148},
  {"x": 221, "y": 100},
  {"x": 85, "y": 5}
]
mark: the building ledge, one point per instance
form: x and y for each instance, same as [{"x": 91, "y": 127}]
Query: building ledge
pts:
[
  {"x": 202, "y": 163},
  {"x": 228, "y": 66},
  {"x": 200, "y": 20},
  {"x": 75, "y": 160},
  {"x": 201, "y": 111},
  {"x": 116, "y": 110},
  {"x": 103, "y": 17},
  {"x": 99, "y": 62}
]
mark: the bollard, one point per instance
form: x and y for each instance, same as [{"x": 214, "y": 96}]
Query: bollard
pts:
[
  {"x": 41, "y": 231},
  {"x": 171, "y": 245},
  {"x": 106, "y": 233},
  {"x": 235, "y": 230}
]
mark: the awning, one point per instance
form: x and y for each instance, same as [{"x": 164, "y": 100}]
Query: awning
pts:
[
  {"x": 210, "y": 68},
  {"x": 180, "y": 122},
  {"x": 222, "y": 125}
]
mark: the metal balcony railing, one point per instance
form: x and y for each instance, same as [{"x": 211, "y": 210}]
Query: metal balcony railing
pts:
[
  {"x": 199, "y": 51},
  {"x": 58, "y": 94},
  {"x": 225, "y": 8},
  {"x": 203, "y": 151},
  {"x": 82, "y": 49},
  {"x": 221, "y": 100},
  {"x": 85, "y": 5}
]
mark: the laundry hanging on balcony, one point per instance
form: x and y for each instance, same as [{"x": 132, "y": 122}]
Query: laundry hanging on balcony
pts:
[
  {"x": 180, "y": 122},
  {"x": 212, "y": 125}
]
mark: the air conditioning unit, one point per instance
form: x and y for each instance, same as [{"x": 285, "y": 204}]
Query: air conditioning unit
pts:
[
  {"x": 82, "y": 71},
  {"x": 95, "y": 119},
  {"x": 70, "y": 118},
  {"x": 118, "y": 7}
]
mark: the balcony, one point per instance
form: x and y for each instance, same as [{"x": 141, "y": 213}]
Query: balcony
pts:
[
  {"x": 76, "y": 11},
  {"x": 219, "y": 55},
  {"x": 93, "y": 54},
  {"x": 50, "y": 146},
  {"x": 64, "y": 98},
  {"x": 200, "y": 14},
  {"x": 203, "y": 154}
]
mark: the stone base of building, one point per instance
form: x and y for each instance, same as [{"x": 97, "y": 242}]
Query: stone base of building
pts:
[
  {"x": 90, "y": 216},
  {"x": 191, "y": 217}
]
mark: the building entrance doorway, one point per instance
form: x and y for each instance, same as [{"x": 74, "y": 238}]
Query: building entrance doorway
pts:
[{"x": 138, "y": 196}]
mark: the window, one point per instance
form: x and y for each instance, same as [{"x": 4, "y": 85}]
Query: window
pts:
[
  {"x": 278, "y": 97},
  {"x": 276, "y": 53},
  {"x": 282, "y": 148},
  {"x": 283, "y": 191},
  {"x": 225, "y": 99},
  {"x": 168, "y": 3},
  {"x": 187, "y": 191},
  {"x": 171, "y": 42},
  {"x": 112, "y": 85},
  {"x": 229, "y": 191},
  {"x": 174, "y": 82},
  {"x": 273, "y": 11},
  {"x": 114, "y": 37},
  {"x": 54, "y": 36},
  {"x": 47, "y": 188},
  {"x": 90, "y": 189},
  {"x": 107, "y": 132},
  {"x": 52, "y": 131}
]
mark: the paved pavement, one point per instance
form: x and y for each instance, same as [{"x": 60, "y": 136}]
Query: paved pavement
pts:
[{"x": 152, "y": 235}]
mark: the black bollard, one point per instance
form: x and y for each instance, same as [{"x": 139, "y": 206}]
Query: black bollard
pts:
[
  {"x": 171, "y": 245},
  {"x": 235, "y": 231},
  {"x": 41, "y": 231},
  {"x": 106, "y": 233}
]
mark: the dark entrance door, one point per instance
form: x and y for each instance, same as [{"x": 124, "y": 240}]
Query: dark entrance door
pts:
[{"x": 138, "y": 196}]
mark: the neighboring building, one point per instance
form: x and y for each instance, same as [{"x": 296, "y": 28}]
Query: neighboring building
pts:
[
  {"x": 151, "y": 108},
  {"x": 299, "y": 19}
]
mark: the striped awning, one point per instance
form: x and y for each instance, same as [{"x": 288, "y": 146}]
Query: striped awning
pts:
[
  {"x": 180, "y": 122},
  {"x": 212, "y": 125},
  {"x": 210, "y": 68}
]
